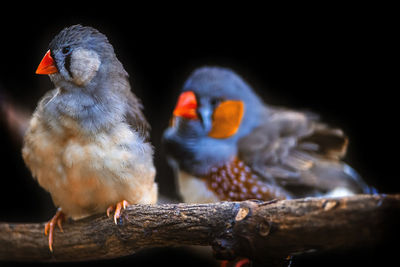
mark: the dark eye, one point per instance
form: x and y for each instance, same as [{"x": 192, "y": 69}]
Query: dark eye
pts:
[
  {"x": 66, "y": 50},
  {"x": 215, "y": 101}
]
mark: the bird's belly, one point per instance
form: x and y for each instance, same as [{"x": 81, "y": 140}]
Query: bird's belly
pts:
[
  {"x": 194, "y": 189},
  {"x": 85, "y": 176}
]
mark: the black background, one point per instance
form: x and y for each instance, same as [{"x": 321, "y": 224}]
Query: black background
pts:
[{"x": 338, "y": 62}]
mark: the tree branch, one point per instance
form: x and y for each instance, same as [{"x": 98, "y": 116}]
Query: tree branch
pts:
[{"x": 257, "y": 230}]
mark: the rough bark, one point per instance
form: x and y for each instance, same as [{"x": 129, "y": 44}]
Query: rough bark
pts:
[{"x": 261, "y": 231}]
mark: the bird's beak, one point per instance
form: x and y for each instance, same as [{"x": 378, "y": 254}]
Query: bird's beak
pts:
[
  {"x": 186, "y": 106},
  {"x": 47, "y": 65}
]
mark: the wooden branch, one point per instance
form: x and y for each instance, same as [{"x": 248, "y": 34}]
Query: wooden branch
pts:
[{"x": 257, "y": 230}]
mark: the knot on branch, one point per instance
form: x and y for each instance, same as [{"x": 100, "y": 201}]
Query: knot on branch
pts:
[{"x": 242, "y": 231}]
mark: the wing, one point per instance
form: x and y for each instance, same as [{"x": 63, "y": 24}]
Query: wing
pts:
[
  {"x": 133, "y": 115},
  {"x": 296, "y": 151},
  {"x": 135, "y": 118}
]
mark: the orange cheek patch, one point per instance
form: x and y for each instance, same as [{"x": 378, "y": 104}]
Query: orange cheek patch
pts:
[{"x": 226, "y": 119}]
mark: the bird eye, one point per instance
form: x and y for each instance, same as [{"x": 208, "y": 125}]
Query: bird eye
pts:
[
  {"x": 215, "y": 101},
  {"x": 66, "y": 49}
]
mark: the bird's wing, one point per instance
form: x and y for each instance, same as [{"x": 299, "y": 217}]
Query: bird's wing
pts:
[
  {"x": 296, "y": 151},
  {"x": 135, "y": 118}
]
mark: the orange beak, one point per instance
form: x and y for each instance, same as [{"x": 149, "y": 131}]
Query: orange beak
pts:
[
  {"x": 47, "y": 65},
  {"x": 186, "y": 106}
]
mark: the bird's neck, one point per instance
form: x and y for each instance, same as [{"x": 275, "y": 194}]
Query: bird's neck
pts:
[{"x": 93, "y": 108}]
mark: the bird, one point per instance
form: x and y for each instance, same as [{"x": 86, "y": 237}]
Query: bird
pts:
[
  {"x": 224, "y": 143},
  {"x": 87, "y": 142}
]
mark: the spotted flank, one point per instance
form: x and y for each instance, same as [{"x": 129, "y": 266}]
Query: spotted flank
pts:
[{"x": 234, "y": 181}]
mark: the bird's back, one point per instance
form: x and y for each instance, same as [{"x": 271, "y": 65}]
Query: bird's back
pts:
[{"x": 295, "y": 151}]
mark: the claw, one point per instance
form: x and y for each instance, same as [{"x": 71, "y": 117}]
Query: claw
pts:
[
  {"x": 58, "y": 218},
  {"x": 118, "y": 208},
  {"x": 109, "y": 210}
]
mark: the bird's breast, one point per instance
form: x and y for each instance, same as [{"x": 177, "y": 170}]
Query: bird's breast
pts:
[
  {"x": 194, "y": 189},
  {"x": 85, "y": 174}
]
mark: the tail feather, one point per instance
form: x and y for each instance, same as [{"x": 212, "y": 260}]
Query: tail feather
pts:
[{"x": 352, "y": 174}]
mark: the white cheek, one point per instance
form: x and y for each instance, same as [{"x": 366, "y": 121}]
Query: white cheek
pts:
[{"x": 84, "y": 65}]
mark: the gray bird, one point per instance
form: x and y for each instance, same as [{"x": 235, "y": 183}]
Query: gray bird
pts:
[
  {"x": 225, "y": 143},
  {"x": 87, "y": 141}
]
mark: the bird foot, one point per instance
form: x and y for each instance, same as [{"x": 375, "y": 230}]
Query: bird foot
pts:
[
  {"x": 237, "y": 263},
  {"x": 58, "y": 218},
  {"x": 118, "y": 208}
]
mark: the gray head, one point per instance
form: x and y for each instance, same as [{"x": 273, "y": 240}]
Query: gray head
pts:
[
  {"x": 77, "y": 55},
  {"x": 92, "y": 84},
  {"x": 215, "y": 109}
]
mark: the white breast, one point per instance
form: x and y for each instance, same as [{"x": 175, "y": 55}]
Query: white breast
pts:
[
  {"x": 194, "y": 190},
  {"x": 85, "y": 175}
]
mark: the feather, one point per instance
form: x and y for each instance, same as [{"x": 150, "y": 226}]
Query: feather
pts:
[{"x": 296, "y": 151}]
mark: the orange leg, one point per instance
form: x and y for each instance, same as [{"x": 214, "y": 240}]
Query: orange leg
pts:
[
  {"x": 243, "y": 262},
  {"x": 118, "y": 208},
  {"x": 58, "y": 218},
  {"x": 236, "y": 263}
]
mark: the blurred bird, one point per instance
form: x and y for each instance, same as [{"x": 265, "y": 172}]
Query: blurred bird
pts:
[
  {"x": 225, "y": 143},
  {"x": 14, "y": 117},
  {"x": 87, "y": 142}
]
